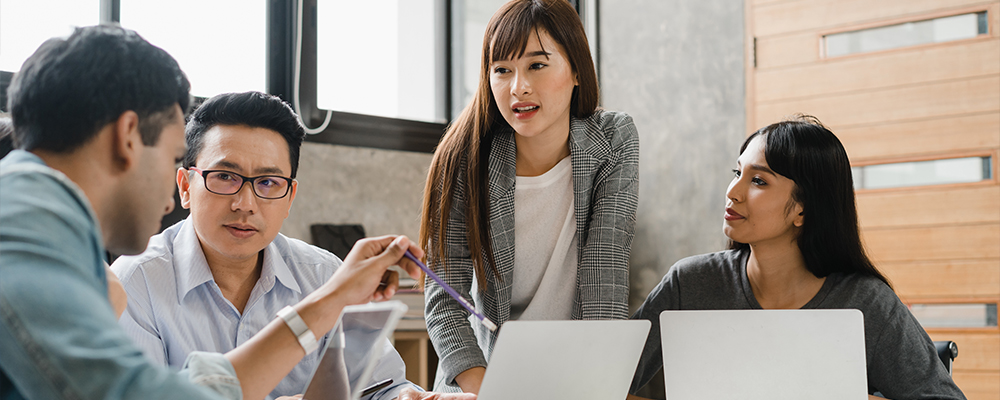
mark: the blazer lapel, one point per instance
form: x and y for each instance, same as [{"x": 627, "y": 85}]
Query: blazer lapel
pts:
[
  {"x": 582, "y": 149},
  {"x": 502, "y": 173}
]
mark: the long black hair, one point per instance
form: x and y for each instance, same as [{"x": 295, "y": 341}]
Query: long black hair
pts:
[{"x": 806, "y": 152}]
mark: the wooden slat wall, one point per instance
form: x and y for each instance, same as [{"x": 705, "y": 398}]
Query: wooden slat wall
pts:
[
  {"x": 957, "y": 205},
  {"x": 930, "y": 100},
  {"x": 950, "y": 134},
  {"x": 819, "y": 15},
  {"x": 852, "y": 74},
  {"x": 935, "y": 243},
  {"x": 919, "y": 281}
]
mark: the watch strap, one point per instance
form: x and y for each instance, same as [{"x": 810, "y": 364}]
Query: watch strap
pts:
[{"x": 299, "y": 328}]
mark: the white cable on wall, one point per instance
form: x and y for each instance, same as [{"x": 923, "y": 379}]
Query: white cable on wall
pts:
[{"x": 298, "y": 76}]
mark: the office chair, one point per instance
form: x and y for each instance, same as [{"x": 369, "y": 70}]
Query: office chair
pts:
[{"x": 947, "y": 351}]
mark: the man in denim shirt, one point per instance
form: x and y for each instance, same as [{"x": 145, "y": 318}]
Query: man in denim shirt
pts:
[{"x": 99, "y": 119}]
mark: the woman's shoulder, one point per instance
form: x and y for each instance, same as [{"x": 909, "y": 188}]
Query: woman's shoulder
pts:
[
  {"x": 862, "y": 291},
  {"x": 609, "y": 128},
  {"x": 710, "y": 264},
  {"x": 609, "y": 118}
]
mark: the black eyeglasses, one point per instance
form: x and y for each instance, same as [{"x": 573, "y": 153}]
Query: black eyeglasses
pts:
[{"x": 269, "y": 187}]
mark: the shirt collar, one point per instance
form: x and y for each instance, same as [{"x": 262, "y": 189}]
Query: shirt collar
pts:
[
  {"x": 189, "y": 261},
  {"x": 196, "y": 272},
  {"x": 275, "y": 267}
]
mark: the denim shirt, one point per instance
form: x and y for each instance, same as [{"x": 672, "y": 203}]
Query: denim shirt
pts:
[{"x": 59, "y": 337}]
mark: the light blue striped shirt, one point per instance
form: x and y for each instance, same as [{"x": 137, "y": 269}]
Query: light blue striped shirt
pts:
[{"x": 175, "y": 306}]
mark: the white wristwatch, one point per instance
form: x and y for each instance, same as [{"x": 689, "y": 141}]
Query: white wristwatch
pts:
[{"x": 306, "y": 337}]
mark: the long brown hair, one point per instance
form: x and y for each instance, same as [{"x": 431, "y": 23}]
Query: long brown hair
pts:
[{"x": 464, "y": 149}]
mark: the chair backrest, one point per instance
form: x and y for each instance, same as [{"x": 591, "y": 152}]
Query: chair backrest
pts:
[{"x": 947, "y": 351}]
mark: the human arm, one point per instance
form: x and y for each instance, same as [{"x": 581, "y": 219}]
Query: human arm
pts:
[
  {"x": 665, "y": 296},
  {"x": 603, "y": 271},
  {"x": 447, "y": 321},
  {"x": 471, "y": 379},
  {"x": 59, "y": 336},
  {"x": 265, "y": 359},
  {"x": 904, "y": 364}
]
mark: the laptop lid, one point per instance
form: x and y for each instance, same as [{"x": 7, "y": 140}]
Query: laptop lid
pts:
[
  {"x": 580, "y": 360},
  {"x": 365, "y": 327},
  {"x": 764, "y": 354}
]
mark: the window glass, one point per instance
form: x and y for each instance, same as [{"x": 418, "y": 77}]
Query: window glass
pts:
[
  {"x": 381, "y": 57},
  {"x": 220, "y": 44},
  {"x": 921, "y": 173},
  {"x": 470, "y": 19},
  {"x": 974, "y": 315},
  {"x": 935, "y": 30},
  {"x": 26, "y": 24}
]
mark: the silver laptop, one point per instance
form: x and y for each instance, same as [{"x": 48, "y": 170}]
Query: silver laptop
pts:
[
  {"x": 360, "y": 327},
  {"x": 580, "y": 360},
  {"x": 764, "y": 354}
]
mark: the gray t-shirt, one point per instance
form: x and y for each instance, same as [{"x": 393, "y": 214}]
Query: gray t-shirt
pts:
[{"x": 902, "y": 361}]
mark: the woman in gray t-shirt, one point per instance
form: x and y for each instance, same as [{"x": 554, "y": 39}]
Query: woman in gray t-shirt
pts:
[{"x": 793, "y": 225}]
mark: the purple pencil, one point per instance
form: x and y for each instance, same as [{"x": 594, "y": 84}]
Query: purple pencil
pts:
[{"x": 486, "y": 321}]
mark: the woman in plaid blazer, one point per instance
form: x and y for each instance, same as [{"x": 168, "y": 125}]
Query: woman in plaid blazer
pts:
[{"x": 535, "y": 112}]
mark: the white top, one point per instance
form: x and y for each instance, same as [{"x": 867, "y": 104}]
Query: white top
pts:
[{"x": 545, "y": 256}]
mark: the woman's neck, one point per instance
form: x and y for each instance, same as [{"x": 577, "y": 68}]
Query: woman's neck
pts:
[
  {"x": 778, "y": 276},
  {"x": 537, "y": 155}
]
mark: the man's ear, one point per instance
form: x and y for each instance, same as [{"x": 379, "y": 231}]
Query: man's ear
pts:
[
  {"x": 184, "y": 187},
  {"x": 126, "y": 141}
]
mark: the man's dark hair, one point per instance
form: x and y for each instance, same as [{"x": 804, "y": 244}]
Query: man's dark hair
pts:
[
  {"x": 6, "y": 136},
  {"x": 253, "y": 109},
  {"x": 70, "y": 88}
]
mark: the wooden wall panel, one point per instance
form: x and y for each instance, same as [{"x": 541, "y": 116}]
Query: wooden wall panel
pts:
[
  {"x": 780, "y": 18},
  {"x": 955, "y": 205},
  {"x": 938, "y": 243},
  {"x": 954, "y": 60},
  {"x": 765, "y": 2},
  {"x": 978, "y": 385},
  {"x": 787, "y": 50},
  {"x": 976, "y": 351},
  {"x": 926, "y": 136},
  {"x": 914, "y": 281},
  {"x": 948, "y": 98},
  {"x": 969, "y": 242}
]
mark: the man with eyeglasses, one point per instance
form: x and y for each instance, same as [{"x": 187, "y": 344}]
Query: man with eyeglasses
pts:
[
  {"x": 210, "y": 282},
  {"x": 99, "y": 122}
]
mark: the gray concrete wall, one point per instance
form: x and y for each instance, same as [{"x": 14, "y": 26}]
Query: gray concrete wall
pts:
[
  {"x": 379, "y": 189},
  {"x": 677, "y": 67}
]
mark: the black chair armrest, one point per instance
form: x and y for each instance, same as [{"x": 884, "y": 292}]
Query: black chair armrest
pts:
[{"x": 947, "y": 351}]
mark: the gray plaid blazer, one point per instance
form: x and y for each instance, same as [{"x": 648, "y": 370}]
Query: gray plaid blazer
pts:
[{"x": 604, "y": 151}]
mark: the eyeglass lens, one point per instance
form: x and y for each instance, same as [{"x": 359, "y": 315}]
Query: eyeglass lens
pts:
[{"x": 222, "y": 182}]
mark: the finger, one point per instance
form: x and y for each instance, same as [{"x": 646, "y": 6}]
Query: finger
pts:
[
  {"x": 416, "y": 250},
  {"x": 387, "y": 288},
  {"x": 392, "y": 253},
  {"x": 368, "y": 247},
  {"x": 409, "y": 394},
  {"x": 391, "y": 280},
  {"x": 411, "y": 268}
]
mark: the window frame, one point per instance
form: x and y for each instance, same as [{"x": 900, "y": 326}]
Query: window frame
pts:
[
  {"x": 990, "y": 11},
  {"x": 993, "y": 179},
  {"x": 345, "y": 128}
]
